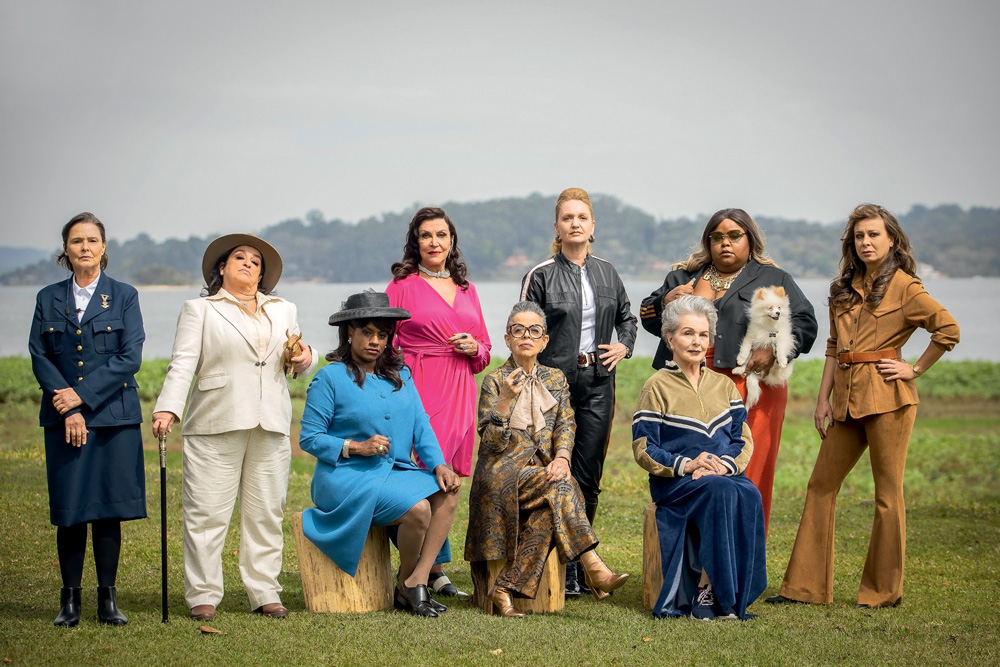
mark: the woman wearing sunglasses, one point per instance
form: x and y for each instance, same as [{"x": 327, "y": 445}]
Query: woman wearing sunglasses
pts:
[
  {"x": 524, "y": 502},
  {"x": 727, "y": 269}
]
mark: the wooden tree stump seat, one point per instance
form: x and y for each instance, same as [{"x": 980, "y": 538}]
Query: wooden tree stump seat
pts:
[
  {"x": 652, "y": 569},
  {"x": 551, "y": 594},
  {"x": 329, "y": 589}
]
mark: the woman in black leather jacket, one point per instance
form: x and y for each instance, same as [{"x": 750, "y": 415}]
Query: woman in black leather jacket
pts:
[
  {"x": 584, "y": 302},
  {"x": 727, "y": 269}
]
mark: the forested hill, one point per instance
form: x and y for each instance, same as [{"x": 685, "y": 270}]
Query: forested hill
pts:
[{"x": 502, "y": 238}]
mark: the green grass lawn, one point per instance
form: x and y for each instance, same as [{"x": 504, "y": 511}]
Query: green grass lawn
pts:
[{"x": 950, "y": 613}]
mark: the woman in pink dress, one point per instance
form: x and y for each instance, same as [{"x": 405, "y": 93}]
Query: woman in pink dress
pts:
[{"x": 444, "y": 343}]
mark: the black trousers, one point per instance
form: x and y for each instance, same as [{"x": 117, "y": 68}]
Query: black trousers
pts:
[{"x": 593, "y": 399}]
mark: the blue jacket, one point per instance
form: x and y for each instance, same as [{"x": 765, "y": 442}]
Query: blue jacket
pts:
[{"x": 97, "y": 356}]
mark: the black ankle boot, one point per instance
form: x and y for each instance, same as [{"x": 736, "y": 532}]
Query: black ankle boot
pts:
[
  {"x": 69, "y": 607},
  {"x": 581, "y": 579},
  {"x": 107, "y": 607},
  {"x": 572, "y": 581}
]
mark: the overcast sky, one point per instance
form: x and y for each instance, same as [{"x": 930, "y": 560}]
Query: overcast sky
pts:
[{"x": 181, "y": 118}]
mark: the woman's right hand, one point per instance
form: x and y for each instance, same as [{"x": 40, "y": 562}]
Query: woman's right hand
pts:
[
  {"x": 377, "y": 445},
  {"x": 162, "y": 423},
  {"x": 823, "y": 417},
  {"x": 510, "y": 389},
  {"x": 678, "y": 292}
]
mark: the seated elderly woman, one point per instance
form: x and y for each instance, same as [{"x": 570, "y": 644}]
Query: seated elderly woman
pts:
[
  {"x": 523, "y": 500},
  {"x": 689, "y": 432},
  {"x": 362, "y": 417}
]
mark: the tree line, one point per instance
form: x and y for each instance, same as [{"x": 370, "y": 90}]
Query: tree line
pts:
[{"x": 501, "y": 239}]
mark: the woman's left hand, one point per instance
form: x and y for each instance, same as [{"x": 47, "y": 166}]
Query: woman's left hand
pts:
[
  {"x": 464, "y": 343},
  {"x": 895, "y": 369},
  {"x": 614, "y": 352},
  {"x": 558, "y": 470},
  {"x": 303, "y": 359},
  {"x": 760, "y": 362},
  {"x": 447, "y": 480},
  {"x": 66, "y": 399}
]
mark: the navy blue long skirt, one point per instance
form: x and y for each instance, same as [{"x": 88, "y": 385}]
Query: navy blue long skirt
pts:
[
  {"x": 715, "y": 523},
  {"x": 104, "y": 479}
]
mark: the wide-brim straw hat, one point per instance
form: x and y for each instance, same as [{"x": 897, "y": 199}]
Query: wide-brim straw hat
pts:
[
  {"x": 367, "y": 306},
  {"x": 220, "y": 246}
]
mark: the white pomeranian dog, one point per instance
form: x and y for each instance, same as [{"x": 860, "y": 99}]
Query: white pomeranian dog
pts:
[{"x": 770, "y": 325}]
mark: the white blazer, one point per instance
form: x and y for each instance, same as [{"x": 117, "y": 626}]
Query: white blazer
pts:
[{"x": 236, "y": 389}]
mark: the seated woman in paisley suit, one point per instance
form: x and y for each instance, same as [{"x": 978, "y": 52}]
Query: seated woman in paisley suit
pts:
[{"x": 526, "y": 432}]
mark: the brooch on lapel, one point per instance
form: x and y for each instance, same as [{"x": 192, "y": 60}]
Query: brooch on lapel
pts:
[{"x": 104, "y": 301}]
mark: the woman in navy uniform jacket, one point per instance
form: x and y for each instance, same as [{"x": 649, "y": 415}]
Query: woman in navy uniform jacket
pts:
[{"x": 86, "y": 346}]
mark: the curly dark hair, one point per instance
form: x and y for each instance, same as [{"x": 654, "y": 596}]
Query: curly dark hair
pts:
[
  {"x": 62, "y": 258},
  {"x": 215, "y": 284},
  {"x": 842, "y": 293},
  {"x": 411, "y": 251},
  {"x": 388, "y": 364}
]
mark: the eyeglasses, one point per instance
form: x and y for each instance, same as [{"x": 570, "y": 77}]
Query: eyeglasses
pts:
[
  {"x": 733, "y": 236},
  {"x": 535, "y": 331}
]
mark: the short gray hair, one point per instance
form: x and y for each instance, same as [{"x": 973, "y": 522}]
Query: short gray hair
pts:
[
  {"x": 526, "y": 307},
  {"x": 683, "y": 305}
]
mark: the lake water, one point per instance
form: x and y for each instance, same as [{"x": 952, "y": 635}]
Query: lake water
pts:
[{"x": 978, "y": 315}]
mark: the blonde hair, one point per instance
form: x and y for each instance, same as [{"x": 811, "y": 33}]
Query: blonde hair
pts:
[
  {"x": 571, "y": 194},
  {"x": 703, "y": 255}
]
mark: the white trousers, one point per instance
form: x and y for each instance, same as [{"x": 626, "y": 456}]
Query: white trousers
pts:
[{"x": 250, "y": 465}]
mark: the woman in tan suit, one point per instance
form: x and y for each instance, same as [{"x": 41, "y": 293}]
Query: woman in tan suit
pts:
[
  {"x": 237, "y": 426},
  {"x": 876, "y": 303}
]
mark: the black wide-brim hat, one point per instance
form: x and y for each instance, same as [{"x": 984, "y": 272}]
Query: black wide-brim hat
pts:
[
  {"x": 223, "y": 244},
  {"x": 370, "y": 305}
]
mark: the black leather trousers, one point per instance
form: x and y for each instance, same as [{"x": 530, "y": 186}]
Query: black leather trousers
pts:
[{"x": 593, "y": 401}]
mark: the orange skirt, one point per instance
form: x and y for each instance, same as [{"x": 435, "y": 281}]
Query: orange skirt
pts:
[{"x": 765, "y": 420}]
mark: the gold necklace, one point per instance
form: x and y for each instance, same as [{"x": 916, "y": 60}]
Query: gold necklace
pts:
[{"x": 718, "y": 283}]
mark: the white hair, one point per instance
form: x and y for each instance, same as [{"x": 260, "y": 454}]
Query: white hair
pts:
[{"x": 697, "y": 305}]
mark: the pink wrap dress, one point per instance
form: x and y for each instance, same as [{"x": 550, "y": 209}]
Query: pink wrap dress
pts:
[{"x": 445, "y": 379}]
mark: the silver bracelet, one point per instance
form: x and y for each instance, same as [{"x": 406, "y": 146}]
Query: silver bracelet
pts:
[{"x": 345, "y": 451}]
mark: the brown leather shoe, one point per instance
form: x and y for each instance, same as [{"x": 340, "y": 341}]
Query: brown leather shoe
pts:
[
  {"x": 601, "y": 579},
  {"x": 203, "y": 612},
  {"x": 503, "y": 603},
  {"x": 272, "y": 610}
]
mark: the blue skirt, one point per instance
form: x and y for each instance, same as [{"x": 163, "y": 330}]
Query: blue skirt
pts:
[
  {"x": 715, "y": 523},
  {"x": 103, "y": 479},
  {"x": 347, "y": 506}
]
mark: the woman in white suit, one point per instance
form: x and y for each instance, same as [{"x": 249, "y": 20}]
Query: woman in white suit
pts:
[{"x": 236, "y": 430}]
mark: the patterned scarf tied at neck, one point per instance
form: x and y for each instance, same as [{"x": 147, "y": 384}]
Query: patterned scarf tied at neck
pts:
[{"x": 532, "y": 404}]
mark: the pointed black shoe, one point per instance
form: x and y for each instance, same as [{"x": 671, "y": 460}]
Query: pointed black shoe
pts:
[
  {"x": 69, "y": 608},
  {"x": 415, "y": 600},
  {"x": 107, "y": 607}
]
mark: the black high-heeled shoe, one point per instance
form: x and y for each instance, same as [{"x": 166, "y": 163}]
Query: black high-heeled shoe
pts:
[
  {"x": 416, "y": 600},
  {"x": 107, "y": 607},
  {"x": 69, "y": 608}
]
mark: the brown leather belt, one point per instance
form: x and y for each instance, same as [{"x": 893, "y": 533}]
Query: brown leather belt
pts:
[
  {"x": 845, "y": 357},
  {"x": 584, "y": 360}
]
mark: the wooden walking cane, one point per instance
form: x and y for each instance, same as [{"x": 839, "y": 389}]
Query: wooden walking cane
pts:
[{"x": 163, "y": 524}]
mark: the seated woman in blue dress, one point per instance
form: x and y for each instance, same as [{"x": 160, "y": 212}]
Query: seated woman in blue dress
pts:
[
  {"x": 362, "y": 418},
  {"x": 689, "y": 432}
]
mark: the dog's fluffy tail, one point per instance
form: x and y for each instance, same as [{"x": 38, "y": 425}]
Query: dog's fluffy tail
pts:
[{"x": 753, "y": 390}]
